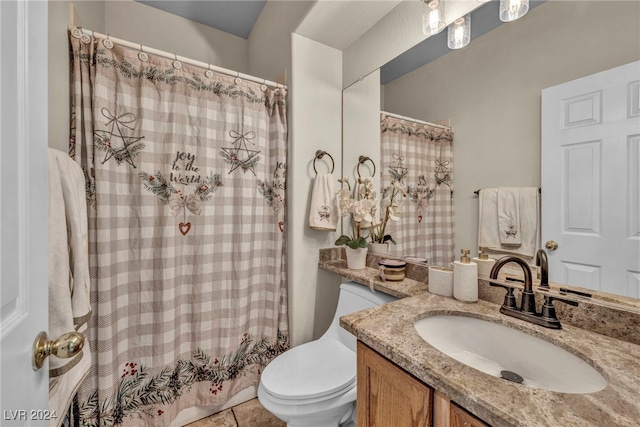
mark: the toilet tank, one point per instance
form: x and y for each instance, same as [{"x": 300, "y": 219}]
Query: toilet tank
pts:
[{"x": 353, "y": 297}]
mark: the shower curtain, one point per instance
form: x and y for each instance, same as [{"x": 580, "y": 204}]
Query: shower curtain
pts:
[
  {"x": 185, "y": 171},
  {"x": 420, "y": 159}
]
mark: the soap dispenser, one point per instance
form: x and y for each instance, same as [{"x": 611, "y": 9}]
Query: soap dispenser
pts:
[
  {"x": 465, "y": 278},
  {"x": 485, "y": 264}
]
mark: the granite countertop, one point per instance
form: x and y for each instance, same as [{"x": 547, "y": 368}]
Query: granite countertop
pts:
[
  {"x": 389, "y": 330},
  {"x": 369, "y": 277}
]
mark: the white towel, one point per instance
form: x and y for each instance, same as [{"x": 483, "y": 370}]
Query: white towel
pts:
[
  {"x": 529, "y": 212},
  {"x": 509, "y": 216},
  {"x": 69, "y": 286},
  {"x": 323, "y": 212}
]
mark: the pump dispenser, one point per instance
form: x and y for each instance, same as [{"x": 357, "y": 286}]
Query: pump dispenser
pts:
[
  {"x": 465, "y": 278},
  {"x": 485, "y": 264}
]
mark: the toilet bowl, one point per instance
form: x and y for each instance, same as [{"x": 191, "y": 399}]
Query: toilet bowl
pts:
[{"x": 314, "y": 384}]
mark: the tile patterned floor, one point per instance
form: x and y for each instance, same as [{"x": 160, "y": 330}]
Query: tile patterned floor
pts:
[{"x": 248, "y": 414}]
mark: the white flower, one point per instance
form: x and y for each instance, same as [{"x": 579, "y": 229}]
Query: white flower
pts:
[
  {"x": 395, "y": 212},
  {"x": 365, "y": 189},
  {"x": 362, "y": 210}
]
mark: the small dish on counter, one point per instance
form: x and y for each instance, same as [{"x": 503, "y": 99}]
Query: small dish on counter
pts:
[{"x": 391, "y": 269}]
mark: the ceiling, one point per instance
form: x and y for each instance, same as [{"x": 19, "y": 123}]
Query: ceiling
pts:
[
  {"x": 233, "y": 17},
  {"x": 238, "y": 17}
]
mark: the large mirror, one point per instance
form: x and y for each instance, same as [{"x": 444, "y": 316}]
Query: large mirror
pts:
[{"x": 490, "y": 91}]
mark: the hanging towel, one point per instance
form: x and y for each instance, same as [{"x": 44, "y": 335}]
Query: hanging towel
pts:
[
  {"x": 529, "y": 214},
  {"x": 69, "y": 308},
  {"x": 509, "y": 216},
  {"x": 488, "y": 231},
  {"x": 323, "y": 212}
]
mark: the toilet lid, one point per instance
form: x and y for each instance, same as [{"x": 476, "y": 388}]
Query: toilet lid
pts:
[{"x": 315, "y": 369}]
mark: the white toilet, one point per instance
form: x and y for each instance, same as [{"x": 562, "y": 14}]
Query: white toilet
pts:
[{"x": 314, "y": 384}]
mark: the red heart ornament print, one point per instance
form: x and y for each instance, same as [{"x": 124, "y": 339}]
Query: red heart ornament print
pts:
[{"x": 184, "y": 228}]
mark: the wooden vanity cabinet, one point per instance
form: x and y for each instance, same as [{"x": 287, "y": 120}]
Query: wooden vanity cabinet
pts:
[
  {"x": 461, "y": 418},
  {"x": 390, "y": 396}
]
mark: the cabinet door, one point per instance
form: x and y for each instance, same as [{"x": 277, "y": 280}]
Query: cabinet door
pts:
[
  {"x": 461, "y": 418},
  {"x": 389, "y": 396}
]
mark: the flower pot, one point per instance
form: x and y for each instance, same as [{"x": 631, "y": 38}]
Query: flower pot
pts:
[
  {"x": 356, "y": 258},
  {"x": 379, "y": 248}
]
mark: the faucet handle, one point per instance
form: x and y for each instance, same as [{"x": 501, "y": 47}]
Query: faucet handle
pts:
[
  {"x": 549, "y": 311},
  {"x": 509, "y": 298}
]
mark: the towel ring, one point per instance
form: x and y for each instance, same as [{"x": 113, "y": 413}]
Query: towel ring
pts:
[
  {"x": 363, "y": 159},
  {"x": 319, "y": 155}
]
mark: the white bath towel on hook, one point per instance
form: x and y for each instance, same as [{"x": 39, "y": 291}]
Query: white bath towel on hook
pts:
[{"x": 323, "y": 212}]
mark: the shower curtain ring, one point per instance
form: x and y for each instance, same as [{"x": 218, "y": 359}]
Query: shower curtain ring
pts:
[
  {"x": 177, "y": 64},
  {"x": 209, "y": 72},
  {"x": 264, "y": 85},
  {"x": 237, "y": 80},
  {"x": 107, "y": 42},
  {"x": 142, "y": 56},
  {"x": 85, "y": 38}
]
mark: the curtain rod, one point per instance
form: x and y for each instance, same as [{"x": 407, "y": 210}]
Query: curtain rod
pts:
[
  {"x": 398, "y": 116},
  {"x": 168, "y": 55}
]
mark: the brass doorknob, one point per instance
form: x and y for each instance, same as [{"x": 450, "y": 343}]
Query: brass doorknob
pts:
[
  {"x": 551, "y": 245},
  {"x": 67, "y": 345}
]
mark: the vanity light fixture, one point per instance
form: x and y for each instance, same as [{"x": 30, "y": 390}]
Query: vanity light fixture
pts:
[
  {"x": 433, "y": 17},
  {"x": 510, "y": 10},
  {"x": 459, "y": 32}
]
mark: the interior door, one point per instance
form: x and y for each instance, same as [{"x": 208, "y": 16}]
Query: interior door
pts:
[
  {"x": 590, "y": 180},
  {"x": 23, "y": 209}
]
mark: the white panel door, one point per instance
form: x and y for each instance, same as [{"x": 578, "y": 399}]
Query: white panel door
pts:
[
  {"x": 23, "y": 209},
  {"x": 590, "y": 180}
]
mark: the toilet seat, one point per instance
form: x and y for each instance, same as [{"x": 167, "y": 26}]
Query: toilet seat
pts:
[{"x": 315, "y": 371}]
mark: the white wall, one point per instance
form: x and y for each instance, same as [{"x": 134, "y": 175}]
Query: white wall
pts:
[
  {"x": 92, "y": 13},
  {"x": 491, "y": 91},
  {"x": 269, "y": 44},
  {"x": 314, "y": 101},
  {"x": 139, "y": 23},
  {"x": 361, "y": 131}
]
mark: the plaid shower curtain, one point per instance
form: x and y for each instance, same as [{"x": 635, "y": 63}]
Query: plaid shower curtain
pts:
[
  {"x": 420, "y": 158},
  {"x": 185, "y": 171}
]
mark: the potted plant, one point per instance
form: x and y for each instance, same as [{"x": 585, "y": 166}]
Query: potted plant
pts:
[
  {"x": 390, "y": 204},
  {"x": 361, "y": 207}
]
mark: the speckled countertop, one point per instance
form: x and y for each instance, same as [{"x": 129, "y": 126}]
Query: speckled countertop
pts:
[
  {"x": 389, "y": 330},
  {"x": 614, "y": 351}
]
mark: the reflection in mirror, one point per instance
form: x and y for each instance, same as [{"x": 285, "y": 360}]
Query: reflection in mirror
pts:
[
  {"x": 416, "y": 171},
  {"x": 491, "y": 90}
]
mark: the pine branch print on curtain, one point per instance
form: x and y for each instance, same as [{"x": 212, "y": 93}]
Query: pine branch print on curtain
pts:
[
  {"x": 186, "y": 176},
  {"x": 424, "y": 154}
]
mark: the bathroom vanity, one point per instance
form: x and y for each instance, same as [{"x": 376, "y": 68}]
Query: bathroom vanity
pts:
[
  {"x": 405, "y": 381},
  {"x": 389, "y": 396}
]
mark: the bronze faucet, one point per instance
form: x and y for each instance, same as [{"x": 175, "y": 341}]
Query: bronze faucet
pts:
[
  {"x": 543, "y": 263},
  {"x": 527, "y": 310}
]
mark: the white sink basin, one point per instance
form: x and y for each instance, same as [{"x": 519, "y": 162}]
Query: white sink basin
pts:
[{"x": 493, "y": 348}]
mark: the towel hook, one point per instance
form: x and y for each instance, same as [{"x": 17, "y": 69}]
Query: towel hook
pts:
[
  {"x": 319, "y": 155},
  {"x": 363, "y": 159}
]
